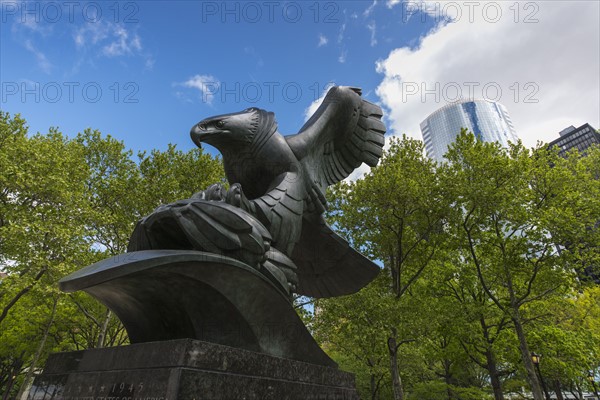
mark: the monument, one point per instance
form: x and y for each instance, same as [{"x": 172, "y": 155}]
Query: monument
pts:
[{"x": 205, "y": 289}]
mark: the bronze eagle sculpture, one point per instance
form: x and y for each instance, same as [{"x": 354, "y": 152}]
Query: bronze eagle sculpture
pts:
[{"x": 272, "y": 215}]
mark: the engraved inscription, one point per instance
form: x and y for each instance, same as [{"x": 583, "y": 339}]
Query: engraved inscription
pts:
[{"x": 139, "y": 390}]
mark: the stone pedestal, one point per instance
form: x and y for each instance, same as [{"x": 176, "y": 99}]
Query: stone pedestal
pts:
[{"x": 186, "y": 369}]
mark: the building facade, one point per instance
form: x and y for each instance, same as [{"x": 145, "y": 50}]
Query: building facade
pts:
[
  {"x": 576, "y": 138},
  {"x": 581, "y": 139},
  {"x": 489, "y": 121}
]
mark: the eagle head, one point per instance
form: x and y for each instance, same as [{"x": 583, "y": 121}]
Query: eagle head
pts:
[{"x": 230, "y": 131}]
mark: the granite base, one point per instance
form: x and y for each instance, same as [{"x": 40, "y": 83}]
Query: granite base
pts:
[{"x": 186, "y": 369}]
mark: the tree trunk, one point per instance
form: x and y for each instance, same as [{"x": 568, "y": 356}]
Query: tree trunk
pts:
[
  {"x": 38, "y": 353},
  {"x": 558, "y": 390},
  {"x": 22, "y": 293},
  {"x": 448, "y": 391},
  {"x": 448, "y": 378},
  {"x": 103, "y": 329},
  {"x": 494, "y": 375},
  {"x": 536, "y": 389},
  {"x": 396, "y": 380},
  {"x": 490, "y": 361},
  {"x": 575, "y": 395},
  {"x": 395, "y": 275},
  {"x": 579, "y": 391},
  {"x": 373, "y": 388},
  {"x": 12, "y": 373}
]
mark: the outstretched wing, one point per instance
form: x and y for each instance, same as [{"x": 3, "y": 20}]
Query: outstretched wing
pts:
[
  {"x": 344, "y": 132},
  {"x": 326, "y": 264}
]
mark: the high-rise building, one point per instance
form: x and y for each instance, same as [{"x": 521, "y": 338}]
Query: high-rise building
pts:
[
  {"x": 576, "y": 138},
  {"x": 489, "y": 121},
  {"x": 581, "y": 139}
]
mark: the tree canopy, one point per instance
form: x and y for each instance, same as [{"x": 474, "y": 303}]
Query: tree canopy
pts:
[
  {"x": 64, "y": 204},
  {"x": 484, "y": 259}
]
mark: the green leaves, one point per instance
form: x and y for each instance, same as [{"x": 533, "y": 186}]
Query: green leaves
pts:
[
  {"x": 479, "y": 258},
  {"x": 64, "y": 204},
  {"x": 468, "y": 252}
]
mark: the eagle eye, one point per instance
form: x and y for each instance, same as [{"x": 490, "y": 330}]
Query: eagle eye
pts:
[{"x": 220, "y": 124}]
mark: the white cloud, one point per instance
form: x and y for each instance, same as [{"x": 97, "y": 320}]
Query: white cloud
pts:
[
  {"x": 438, "y": 10},
  {"x": 554, "y": 61},
  {"x": 340, "y": 41},
  {"x": 372, "y": 27},
  {"x": 310, "y": 110},
  {"x": 27, "y": 30},
  {"x": 28, "y": 23},
  {"x": 341, "y": 32},
  {"x": 108, "y": 39},
  {"x": 124, "y": 43},
  {"x": 392, "y": 3},
  {"x": 149, "y": 63},
  {"x": 207, "y": 85},
  {"x": 322, "y": 40},
  {"x": 41, "y": 58},
  {"x": 369, "y": 10},
  {"x": 90, "y": 34},
  {"x": 36, "y": 27},
  {"x": 358, "y": 173},
  {"x": 115, "y": 40},
  {"x": 183, "y": 97}
]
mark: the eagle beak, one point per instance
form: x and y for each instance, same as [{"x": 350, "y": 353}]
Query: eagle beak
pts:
[{"x": 197, "y": 133}]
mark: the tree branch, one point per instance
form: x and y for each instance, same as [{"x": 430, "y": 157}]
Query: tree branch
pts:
[{"x": 22, "y": 293}]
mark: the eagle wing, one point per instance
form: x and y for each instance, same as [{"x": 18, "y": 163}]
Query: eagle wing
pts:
[
  {"x": 326, "y": 264},
  {"x": 344, "y": 132},
  {"x": 280, "y": 210}
]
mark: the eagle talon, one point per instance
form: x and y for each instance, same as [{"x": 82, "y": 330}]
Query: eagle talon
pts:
[{"x": 236, "y": 197}]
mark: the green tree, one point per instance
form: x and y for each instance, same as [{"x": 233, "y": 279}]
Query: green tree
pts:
[
  {"x": 167, "y": 176},
  {"x": 349, "y": 329},
  {"x": 395, "y": 214},
  {"x": 480, "y": 329},
  {"x": 456, "y": 344},
  {"x": 568, "y": 337},
  {"x": 64, "y": 204},
  {"x": 511, "y": 208},
  {"x": 40, "y": 197},
  {"x": 470, "y": 265}
]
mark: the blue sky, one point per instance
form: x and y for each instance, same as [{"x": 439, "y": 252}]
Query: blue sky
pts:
[
  {"x": 163, "y": 66},
  {"x": 151, "y": 58}
]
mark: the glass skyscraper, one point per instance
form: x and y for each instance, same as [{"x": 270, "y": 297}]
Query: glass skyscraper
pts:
[{"x": 489, "y": 121}]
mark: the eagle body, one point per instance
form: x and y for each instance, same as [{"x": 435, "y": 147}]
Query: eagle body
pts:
[
  {"x": 281, "y": 181},
  {"x": 256, "y": 171}
]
